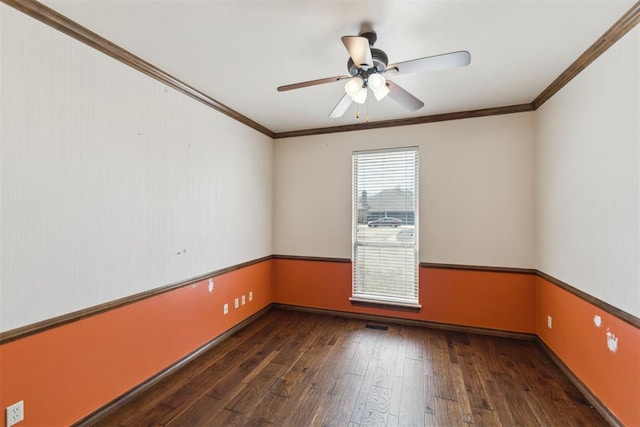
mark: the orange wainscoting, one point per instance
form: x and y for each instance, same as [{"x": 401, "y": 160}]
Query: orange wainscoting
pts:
[
  {"x": 485, "y": 299},
  {"x": 65, "y": 373},
  {"x": 606, "y": 358}
]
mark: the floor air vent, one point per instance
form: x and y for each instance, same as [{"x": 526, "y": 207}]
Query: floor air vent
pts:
[{"x": 378, "y": 327}]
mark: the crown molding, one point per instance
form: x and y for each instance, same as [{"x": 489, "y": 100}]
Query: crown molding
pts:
[
  {"x": 71, "y": 28},
  {"x": 50, "y": 17},
  {"x": 630, "y": 19},
  {"x": 494, "y": 111}
]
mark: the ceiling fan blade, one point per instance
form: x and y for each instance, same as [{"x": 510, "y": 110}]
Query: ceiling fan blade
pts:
[
  {"x": 403, "y": 97},
  {"x": 342, "y": 106},
  {"x": 431, "y": 63},
  {"x": 359, "y": 50},
  {"x": 312, "y": 83}
]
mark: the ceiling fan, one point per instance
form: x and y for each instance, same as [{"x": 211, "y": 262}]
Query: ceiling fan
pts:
[{"x": 369, "y": 67}]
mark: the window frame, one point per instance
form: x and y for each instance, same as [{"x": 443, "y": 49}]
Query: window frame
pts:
[{"x": 380, "y": 299}]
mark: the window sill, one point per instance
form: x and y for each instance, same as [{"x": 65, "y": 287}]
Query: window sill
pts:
[{"x": 391, "y": 305}]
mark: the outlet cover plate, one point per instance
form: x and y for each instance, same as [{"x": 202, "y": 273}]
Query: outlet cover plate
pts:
[{"x": 15, "y": 413}]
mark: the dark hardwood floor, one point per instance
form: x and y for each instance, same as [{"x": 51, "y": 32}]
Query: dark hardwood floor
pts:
[{"x": 291, "y": 368}]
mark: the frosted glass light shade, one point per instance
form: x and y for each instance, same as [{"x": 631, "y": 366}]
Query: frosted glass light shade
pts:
[
  {"x": 353, "y": 86},
  {"x": 376, "y": 82},
  {"x": 378, "y": 85},
  {"x": 361, "y": 96},
  {"x": 382, "y": 92}
]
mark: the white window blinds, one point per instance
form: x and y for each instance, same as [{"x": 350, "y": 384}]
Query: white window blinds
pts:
[{"x": 385, "y": 226}]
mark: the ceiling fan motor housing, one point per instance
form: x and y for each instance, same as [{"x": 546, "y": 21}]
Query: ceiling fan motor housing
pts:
[{"x": 380, "y": 62}]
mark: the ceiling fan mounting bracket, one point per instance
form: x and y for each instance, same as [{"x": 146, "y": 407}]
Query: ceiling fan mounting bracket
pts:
[{"x": 371, "y": 36}]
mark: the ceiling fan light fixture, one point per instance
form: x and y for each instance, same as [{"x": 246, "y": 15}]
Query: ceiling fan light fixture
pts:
[
  {"x": 361, "y": 96},
  {"x": 382, "y": 92},
  {"x": 376, "y": 82},
  {"x": 378, "y": 85},
  {"x": 353, "y": 86}
]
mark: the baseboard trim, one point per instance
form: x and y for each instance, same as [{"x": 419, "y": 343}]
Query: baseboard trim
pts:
[
  {"x": 120, "y": 401},
  {"x": 409, "y": 322},
  {"x": 586, "y": 392}
]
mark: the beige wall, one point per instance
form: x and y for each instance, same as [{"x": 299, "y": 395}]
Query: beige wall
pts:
[
  {"x": 113, "y": 183},
  {"x": 588, "y": 179},
  {"x": 476, "y": 190}
]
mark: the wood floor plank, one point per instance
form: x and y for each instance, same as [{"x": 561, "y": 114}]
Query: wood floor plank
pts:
[
  {"x": 326, "y": 382},
  {"x": 234, "y": 376},
  {"x": 376, "y": 408},
  {"x": 448, "y": 413},
  {"x": 475, "y": 389},
  {"x": 508, "y": 415},
  {"x": 486, "y": 417},
  {"x": 396, "y": 386},
  {"x": 429, "y": 395},
  {"x": 363, "y": 352},
  {"x": 343, "y": 400},
  {"x": 293, "y": 368},
  {"x": 312, "y": 387},
  {"x": 264, "y": 414},
  {"x": 254, "y": 385},
  {"x": 462, "y": 393},
  {"x": 517, "y": 407},
  {"x": 317, "y": 384},
  {"x": 413, "y": 345},
  {"x": 443, "y": 382},
  {"x": 424, "y": 337},
  {"x": 363, "y": 393},
  {"x": 412, "y": 406},
  {"x": 199, "y": 413},
  {"x": 430, "y": 419}
]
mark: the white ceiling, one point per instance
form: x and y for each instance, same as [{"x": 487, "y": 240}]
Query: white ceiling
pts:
[{"x": 238, "y": 52}]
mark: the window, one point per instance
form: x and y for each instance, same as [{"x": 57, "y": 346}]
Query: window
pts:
[{"x": 385, "y": 226}]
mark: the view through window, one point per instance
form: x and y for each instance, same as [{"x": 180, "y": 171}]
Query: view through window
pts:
[{"x": 385, "y": 226}]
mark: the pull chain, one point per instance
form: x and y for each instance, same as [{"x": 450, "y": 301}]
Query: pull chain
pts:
[{"x": 367, "y": 119}]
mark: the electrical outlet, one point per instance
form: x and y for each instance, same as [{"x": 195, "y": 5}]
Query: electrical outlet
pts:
[
  {"x": 237, "y": 303},
  {"x": 15, "y": 413},
  {"x": 243, "y": 300},
  {"x": 251, "y": 296},
  {"x": 549, "y": 322},
  {"x": 225, "y": 309}
]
